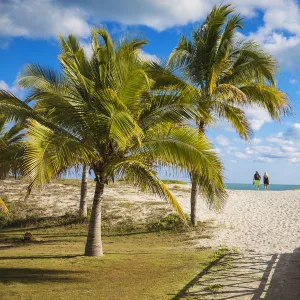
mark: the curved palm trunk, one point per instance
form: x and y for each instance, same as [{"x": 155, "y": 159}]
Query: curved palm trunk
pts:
[
  {"x": 194, "y": 191},
  {"x": 83, "y": 193},
  {"x": 93, "y": 246},
  {"x": 194, "y": 201}
]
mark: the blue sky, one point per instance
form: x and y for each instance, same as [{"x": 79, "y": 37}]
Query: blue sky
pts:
[{"x": 29, "y": 30}]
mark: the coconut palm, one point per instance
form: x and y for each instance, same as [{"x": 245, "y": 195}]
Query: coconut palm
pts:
[
  {"x": 130, "y": 128},
  {"x": 108, "y": 53},
  {"x": 229, "y": 73},
  {"x": 11, "y": 149}
]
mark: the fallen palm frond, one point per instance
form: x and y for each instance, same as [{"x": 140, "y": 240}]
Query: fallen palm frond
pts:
[{"x": 3, "y": 207}]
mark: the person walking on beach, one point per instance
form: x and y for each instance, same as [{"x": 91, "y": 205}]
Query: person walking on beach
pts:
[
  {"x": 256, "y": 180},
  {"x": 266, "y": 180}
]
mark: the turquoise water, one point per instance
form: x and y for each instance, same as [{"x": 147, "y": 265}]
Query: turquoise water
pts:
[{"x": 272, "y": 187}]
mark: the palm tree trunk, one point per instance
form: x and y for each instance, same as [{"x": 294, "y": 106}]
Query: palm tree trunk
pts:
[
  {"x": 93, "y": 246},
  {"x": 83, "y": 203},
  {"x": 194, "y": 191},
  {"x": 194, "y": 201}
]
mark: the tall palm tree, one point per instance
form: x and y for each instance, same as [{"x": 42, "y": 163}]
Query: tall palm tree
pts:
[
  {"x": 229, "y": 73},
  {"x": 11, "y": 149},
  {"x": 131, "y": 129}
]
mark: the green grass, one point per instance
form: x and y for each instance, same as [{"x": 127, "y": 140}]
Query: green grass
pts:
[
  {"x": 135, "y": 265},
  {"x": 174, "y": 181}
]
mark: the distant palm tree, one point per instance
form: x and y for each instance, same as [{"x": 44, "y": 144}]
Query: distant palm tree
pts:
[
  {"x": 229, "y": 73},
  {"x": 130, "y": 128},
  {"x": 11, "y": 149}
]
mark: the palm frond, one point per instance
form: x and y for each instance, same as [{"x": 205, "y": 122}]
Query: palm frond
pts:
[
  {"x": 3, "y": 207},
  {"x": 145, "y": 178}
]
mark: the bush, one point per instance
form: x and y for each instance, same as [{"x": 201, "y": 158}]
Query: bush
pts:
[
  {"x": 170, "y": 222},
  {"x": 35, "y": 221},
  {"x": 175, "y": 181}
]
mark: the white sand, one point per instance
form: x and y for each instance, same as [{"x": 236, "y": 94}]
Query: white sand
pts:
[
  {"x": 264, "y": 222},
  {"x": 260, "y": 221}
]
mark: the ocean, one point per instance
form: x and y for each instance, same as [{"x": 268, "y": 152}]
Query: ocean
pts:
[{"x": 272, "y": 187}]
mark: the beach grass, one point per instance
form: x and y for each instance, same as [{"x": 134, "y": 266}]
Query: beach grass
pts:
[{"x": 136, "y": 265}]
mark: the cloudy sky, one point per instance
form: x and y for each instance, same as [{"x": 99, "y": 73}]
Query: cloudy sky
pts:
[{"x": 29, "y": 30}]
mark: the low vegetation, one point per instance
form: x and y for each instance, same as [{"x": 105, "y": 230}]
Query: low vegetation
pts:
[
  {"x": 53, "y": 262},
  {"x": 159, "y": 253}
]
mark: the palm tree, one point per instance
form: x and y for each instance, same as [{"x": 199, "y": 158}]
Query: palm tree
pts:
[
  {"x": 108, "y": 52},
  {"x": 229, "y": 74},
  {"x": 130, "y": 128},
  {"x": 11, "y": 149}
]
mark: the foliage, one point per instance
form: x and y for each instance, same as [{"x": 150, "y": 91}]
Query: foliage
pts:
[
  {"x": 130, "y": 127},
  {"x": 11, "y": 149},
  {"x": 228, "y": 73},
  {"x": 170, "y": 222},
  {"x": 175, "y": 181}
]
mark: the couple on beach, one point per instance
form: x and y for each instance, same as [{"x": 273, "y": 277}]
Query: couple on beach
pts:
[{"x": 256, "y": 180}]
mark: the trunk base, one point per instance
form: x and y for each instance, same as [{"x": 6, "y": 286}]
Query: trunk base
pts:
[{"x": 93, "y": 246}]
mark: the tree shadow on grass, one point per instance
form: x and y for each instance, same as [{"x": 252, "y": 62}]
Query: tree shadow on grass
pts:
[
  {"x": 32, "y": 275},
  {"x": 16, "y": 243},
  {"x": 38, "y": 257},
  {"x": 250, "y": 276}
]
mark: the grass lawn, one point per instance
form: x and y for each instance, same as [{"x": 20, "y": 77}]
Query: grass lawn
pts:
[{"x": 135, "y": 266}]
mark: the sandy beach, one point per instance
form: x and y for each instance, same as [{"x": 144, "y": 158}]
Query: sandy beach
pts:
[
  {"x": 260, "y": 221},
  {"x": 263, "y": 226}
]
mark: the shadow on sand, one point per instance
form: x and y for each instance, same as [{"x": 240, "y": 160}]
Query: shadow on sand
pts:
[{"x": 251, "y": 276}]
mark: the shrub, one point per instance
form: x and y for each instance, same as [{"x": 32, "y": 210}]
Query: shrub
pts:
[{"x": 170, "y": 222}]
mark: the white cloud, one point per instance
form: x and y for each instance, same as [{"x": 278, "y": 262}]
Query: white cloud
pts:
[
  {"x": 289, "y": 149},
  {"x": 222, "y": 140},
  {"x": 249, "y": 151},
  {"x": 241, "y": 155},
  {"x": 217, "y": 150},
  {"x": 87, "y": 47},
  {"x": 264, "y": 159},
  {"x": 255, "y": 141},
  {"x": 278, "y": 139},
  {"x": 233, "y": 161},
  {"x": 148, "y": 57},
  {"x": 293, "y": 132},
  {"x": 294, "y": 160},
  {"x": 42, "y": 19},
  {"x": 14, "y": 89},
  {"x": 279, "y": 33},
  {"x": 3, "y": 85},
  {"x": 72, "y": 15},
  {"x": 293, "y": 81},
  {"x": 257, "y": 116}
]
